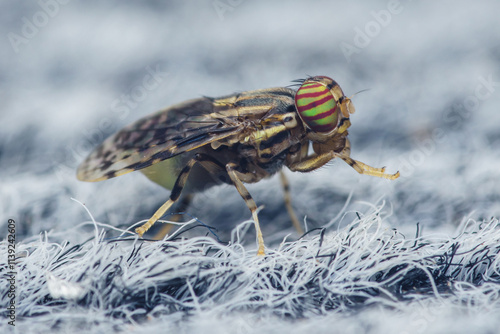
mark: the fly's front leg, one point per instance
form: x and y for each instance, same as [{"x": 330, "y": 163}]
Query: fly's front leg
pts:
[
  {"x": 316, "y": 161},
  {"x": 236, "y": 177},
  {"x": 206, "y": 162},
  {"x": 288, "y": 203},
  {"x": 311, "y": 162},
  {"x": 363, "y": 168}
]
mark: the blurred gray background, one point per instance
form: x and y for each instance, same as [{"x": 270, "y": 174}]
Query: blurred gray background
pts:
[{"x": 74, "y": 72}]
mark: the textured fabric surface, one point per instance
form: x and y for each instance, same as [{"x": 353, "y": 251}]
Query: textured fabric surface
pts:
[{"x": 414, "y": 255}]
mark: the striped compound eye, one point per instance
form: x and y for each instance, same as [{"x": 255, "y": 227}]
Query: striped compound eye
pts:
[{"x": 316, "y": 104}]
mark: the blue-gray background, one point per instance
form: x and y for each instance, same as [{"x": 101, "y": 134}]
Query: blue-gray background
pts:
[{"x": 431, "y": 111}]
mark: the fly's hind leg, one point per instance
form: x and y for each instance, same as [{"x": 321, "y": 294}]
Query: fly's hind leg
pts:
[
  {"x": 183, "y": 204},
  {"x": 363, "y": 168},
  {"x": 206, "y": 162},
  {"x": 288, "y": 203},
  {"x": 236, "y": 177}
]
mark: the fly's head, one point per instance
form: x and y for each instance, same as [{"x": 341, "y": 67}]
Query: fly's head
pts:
[{"x": 324, "y": 111}]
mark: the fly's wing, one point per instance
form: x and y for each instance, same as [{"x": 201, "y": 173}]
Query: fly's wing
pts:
[{"x": 180, "y": 128}]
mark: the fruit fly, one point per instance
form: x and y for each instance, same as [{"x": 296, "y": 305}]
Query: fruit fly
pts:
[{"x": 234, "y": 139}]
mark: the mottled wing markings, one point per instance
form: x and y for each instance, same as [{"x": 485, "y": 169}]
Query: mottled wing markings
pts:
[
  {"x": 180, "y": 128},
  {"x": 169, "y": 132}
]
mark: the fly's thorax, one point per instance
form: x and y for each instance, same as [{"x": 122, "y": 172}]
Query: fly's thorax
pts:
[{"x": 271, "y": 136}]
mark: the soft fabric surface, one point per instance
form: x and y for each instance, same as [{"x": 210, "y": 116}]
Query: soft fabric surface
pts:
[{"x": 418, "y": 254}]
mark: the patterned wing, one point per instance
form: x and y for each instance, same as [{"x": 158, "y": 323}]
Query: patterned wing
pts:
[{"x": 169, "y": 132}]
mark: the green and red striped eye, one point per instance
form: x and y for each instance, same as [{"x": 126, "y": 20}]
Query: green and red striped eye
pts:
[{"x": 316, "y": 104}]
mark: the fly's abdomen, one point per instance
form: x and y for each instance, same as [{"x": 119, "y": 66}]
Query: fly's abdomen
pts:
[{"x": 165, "y": 172}]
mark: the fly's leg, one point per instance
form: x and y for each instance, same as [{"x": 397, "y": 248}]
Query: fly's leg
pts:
[
  {"x": 316, "y": 161},
  {"x": 235, "y": 176},
  {"x": 363, "y": 168},
  {"x": 288, "y": 203},
  {"x": 184, "y": 202},
  {"x": 312, "y": 162},
  {"x": 206, "y": 162}
]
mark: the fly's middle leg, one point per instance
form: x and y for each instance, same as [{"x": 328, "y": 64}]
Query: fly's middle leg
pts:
[
  {"x": 183, "y": 204},
  {"x": 288, "y": 203},
  {"x": 206, "y": 162},
  {"x": 236, "y": 177}
]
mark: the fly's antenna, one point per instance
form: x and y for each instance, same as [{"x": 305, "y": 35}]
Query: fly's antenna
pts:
[
  {"x": 347, "y": 107},
  {"x": 361, "y": 91}
]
